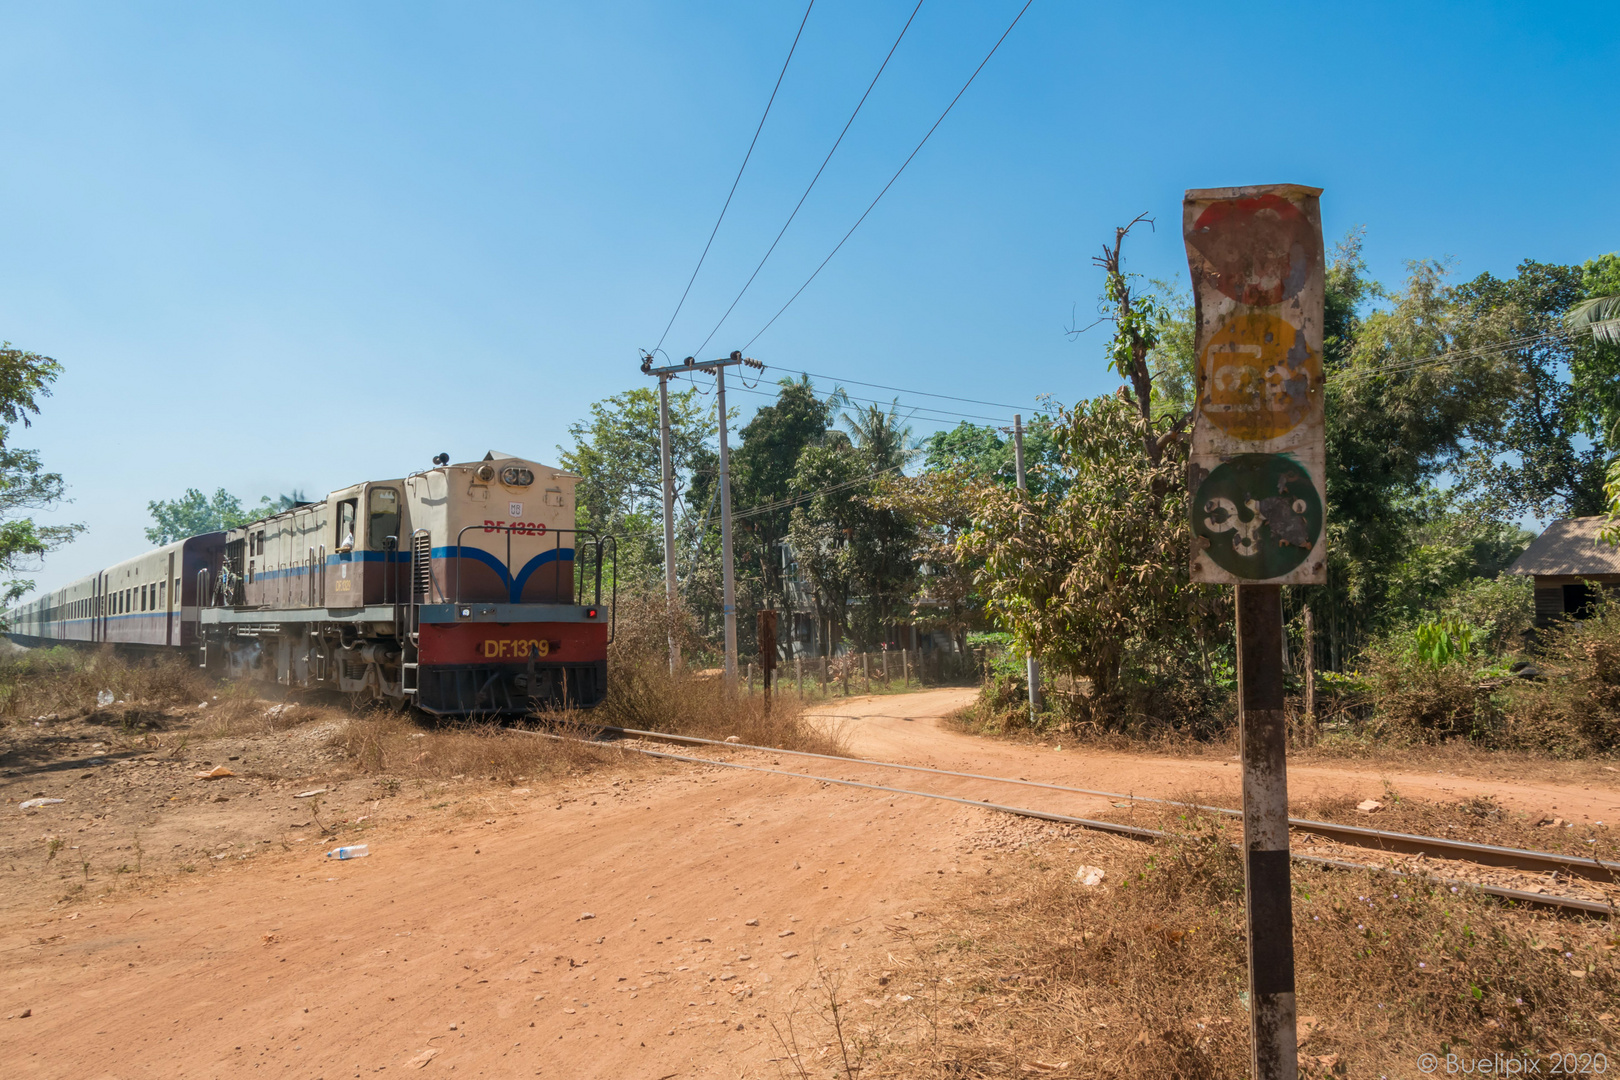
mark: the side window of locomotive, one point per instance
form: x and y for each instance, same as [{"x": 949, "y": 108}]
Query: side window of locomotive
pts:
[
  {"x": 383, "y": 513},
  {"x": 345, "y": 525}
]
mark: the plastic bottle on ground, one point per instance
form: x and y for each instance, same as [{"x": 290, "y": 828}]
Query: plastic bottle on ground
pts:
[{"x": 356, "y": 851}]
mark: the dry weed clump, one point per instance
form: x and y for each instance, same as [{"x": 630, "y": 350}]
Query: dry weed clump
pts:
[
  {"x": 67, "y": 681},
  {"x": 644, "y": 694},
  {"x": 385, "y": 743},
  {"x": 1145, "y": 975}
]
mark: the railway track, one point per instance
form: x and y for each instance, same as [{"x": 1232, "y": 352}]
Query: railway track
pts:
[{"x": 1539, "y": 862}]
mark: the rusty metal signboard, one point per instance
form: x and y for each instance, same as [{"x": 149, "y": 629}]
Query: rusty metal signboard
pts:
[{"x": 1257, "y": 502}]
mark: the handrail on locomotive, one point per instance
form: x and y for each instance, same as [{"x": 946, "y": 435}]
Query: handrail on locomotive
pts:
[{"x": 598, "y": 544}]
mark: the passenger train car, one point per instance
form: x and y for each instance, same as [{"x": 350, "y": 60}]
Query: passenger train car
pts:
[{"x": 462, "y": 589}]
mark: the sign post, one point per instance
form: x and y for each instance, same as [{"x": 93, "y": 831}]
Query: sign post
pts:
[
  {"x": 1257, "y": 511},
  {"x": 766, "y": 633}
]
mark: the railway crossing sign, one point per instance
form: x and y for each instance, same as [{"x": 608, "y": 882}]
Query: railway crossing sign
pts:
[
  {"x": 1255, "y": 473},
  {"x": 1257, "y": 512}
]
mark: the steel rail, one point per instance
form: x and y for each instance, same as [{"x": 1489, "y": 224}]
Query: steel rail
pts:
[
  {"x": 1355, "y": 835},
  {"x": 1133, "y": 832}
]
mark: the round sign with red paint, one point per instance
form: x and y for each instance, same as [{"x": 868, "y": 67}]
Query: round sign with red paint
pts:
[
  {"x": 1257, "y": 516},
  {"x": 1257, "y": 251},
  {"x": 1257, "y": 376}
]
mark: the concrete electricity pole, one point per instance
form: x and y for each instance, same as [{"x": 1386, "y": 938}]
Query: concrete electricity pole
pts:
[
  {"x": 669, "y": 520},
  {"x": 728, "y": 599},
  {"x": 1034, "y": 664},
  {"x": 729, "y": 594}
]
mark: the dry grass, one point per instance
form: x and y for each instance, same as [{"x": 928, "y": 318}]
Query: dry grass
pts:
[
  {"x": 644, "y": 694},
  {"x": 1144, "y": 975},
  {"x": 67, "y": 681},
  {"x": 389, "y": 744}
]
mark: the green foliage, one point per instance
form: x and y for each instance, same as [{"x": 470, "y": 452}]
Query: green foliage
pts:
[
  {"x": 1171, "y": 358},
  {"x": 986, "y": 453},
  {"x": 849, "y": 545},
  {"x": 1548, "y": 446},
  {"x": 764, "y": 474},
  {"x": 1095, "y": 581},
  {"x": 25, "y": 378},
  {"x": 616, "y": 456},
  {"x": 1442, "y": 641},
  {"x": 195, "y": 513}
]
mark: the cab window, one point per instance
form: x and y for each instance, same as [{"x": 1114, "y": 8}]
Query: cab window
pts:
[
  {"x": 383, "y": 512},
  {"x": 345, "y": 524}
]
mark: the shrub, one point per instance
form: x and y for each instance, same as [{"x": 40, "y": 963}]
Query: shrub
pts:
[{"x": 1574, "y": 710}]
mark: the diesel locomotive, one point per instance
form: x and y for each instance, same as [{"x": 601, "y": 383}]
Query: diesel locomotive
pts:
[{"x": 464, "y": 590}]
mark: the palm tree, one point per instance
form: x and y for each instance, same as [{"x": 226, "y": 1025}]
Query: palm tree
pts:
[{"x": 1600, "y": 315}]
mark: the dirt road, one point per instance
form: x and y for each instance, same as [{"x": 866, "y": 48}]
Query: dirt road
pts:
[{"x": 648, "y": 922}]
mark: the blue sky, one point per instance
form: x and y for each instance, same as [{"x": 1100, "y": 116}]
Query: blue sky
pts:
[{"x": 282, "y": 246}]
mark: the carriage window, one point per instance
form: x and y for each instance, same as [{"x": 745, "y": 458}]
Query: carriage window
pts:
[
  {"x": 345, "y": 530},
  {"x": 384, "y": 514}
]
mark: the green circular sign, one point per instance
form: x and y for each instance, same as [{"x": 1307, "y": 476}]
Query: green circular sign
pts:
[{"x": 1257, "y": 515}]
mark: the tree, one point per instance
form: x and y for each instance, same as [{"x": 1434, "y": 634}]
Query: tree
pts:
[
  {"x": 857, "y": 554},
  {"x": 1092, "y": 575},
  {"x": 763, "y": 469},
  {"x": 1095, "y": 581},
  {"x": 1548, "y": 450},
  {"x": 986, "y": 453},
  {"x": 940, "y": 504},
  {"x": 1139, "y": 320},
  {"x": 25, "y": 377},
  {"x": 616, "y": 455},
  {"x": 195, "y": 513}
]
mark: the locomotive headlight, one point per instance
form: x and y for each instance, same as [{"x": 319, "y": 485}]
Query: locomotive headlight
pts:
[
  {"x": 485, "y": 473},
  {"x": 516, "y": 476}
]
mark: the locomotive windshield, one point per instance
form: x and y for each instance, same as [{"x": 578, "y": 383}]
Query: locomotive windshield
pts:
[{"x": 384, "y": 513}]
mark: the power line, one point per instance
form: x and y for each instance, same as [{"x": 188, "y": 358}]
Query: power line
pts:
[
  {"x": 791, "y": 49},
  {"x": 1452, "y": 356},
  {"x": 899, "y": 404},
  {"x": 897, "y": 172},
  {"x": 900, "y": 389},
  {"x": 836, "y": 143}
]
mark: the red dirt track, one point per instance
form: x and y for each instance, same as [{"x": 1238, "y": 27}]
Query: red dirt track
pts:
[{"x": 462, "y": 944}]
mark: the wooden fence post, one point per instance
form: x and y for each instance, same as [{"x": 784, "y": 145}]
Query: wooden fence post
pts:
[{"x": 1309, "y": 651}]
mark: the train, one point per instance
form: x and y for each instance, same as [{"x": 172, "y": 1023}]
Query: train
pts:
[{"x": 464, "y": 590}]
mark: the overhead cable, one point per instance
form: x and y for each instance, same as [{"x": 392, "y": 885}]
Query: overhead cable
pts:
[
  {"x": 738, "y": 179},
  {"x": 897, "y": 173},
  {"x": 900, "y": 389},
  {"x": 898, "y": 404},
  {"x": 836, "y": 143}
]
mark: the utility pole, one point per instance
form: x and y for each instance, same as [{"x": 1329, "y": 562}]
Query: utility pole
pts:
[
  {"x": 1034, "y": 665},
  {"x": 669, "y": 520},
  {"x": 729, "y": 592}
]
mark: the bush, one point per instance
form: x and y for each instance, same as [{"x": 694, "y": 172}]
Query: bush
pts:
[
  {"x": 644, "y": 694},
  {"x": 1574, "y": 710}
]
